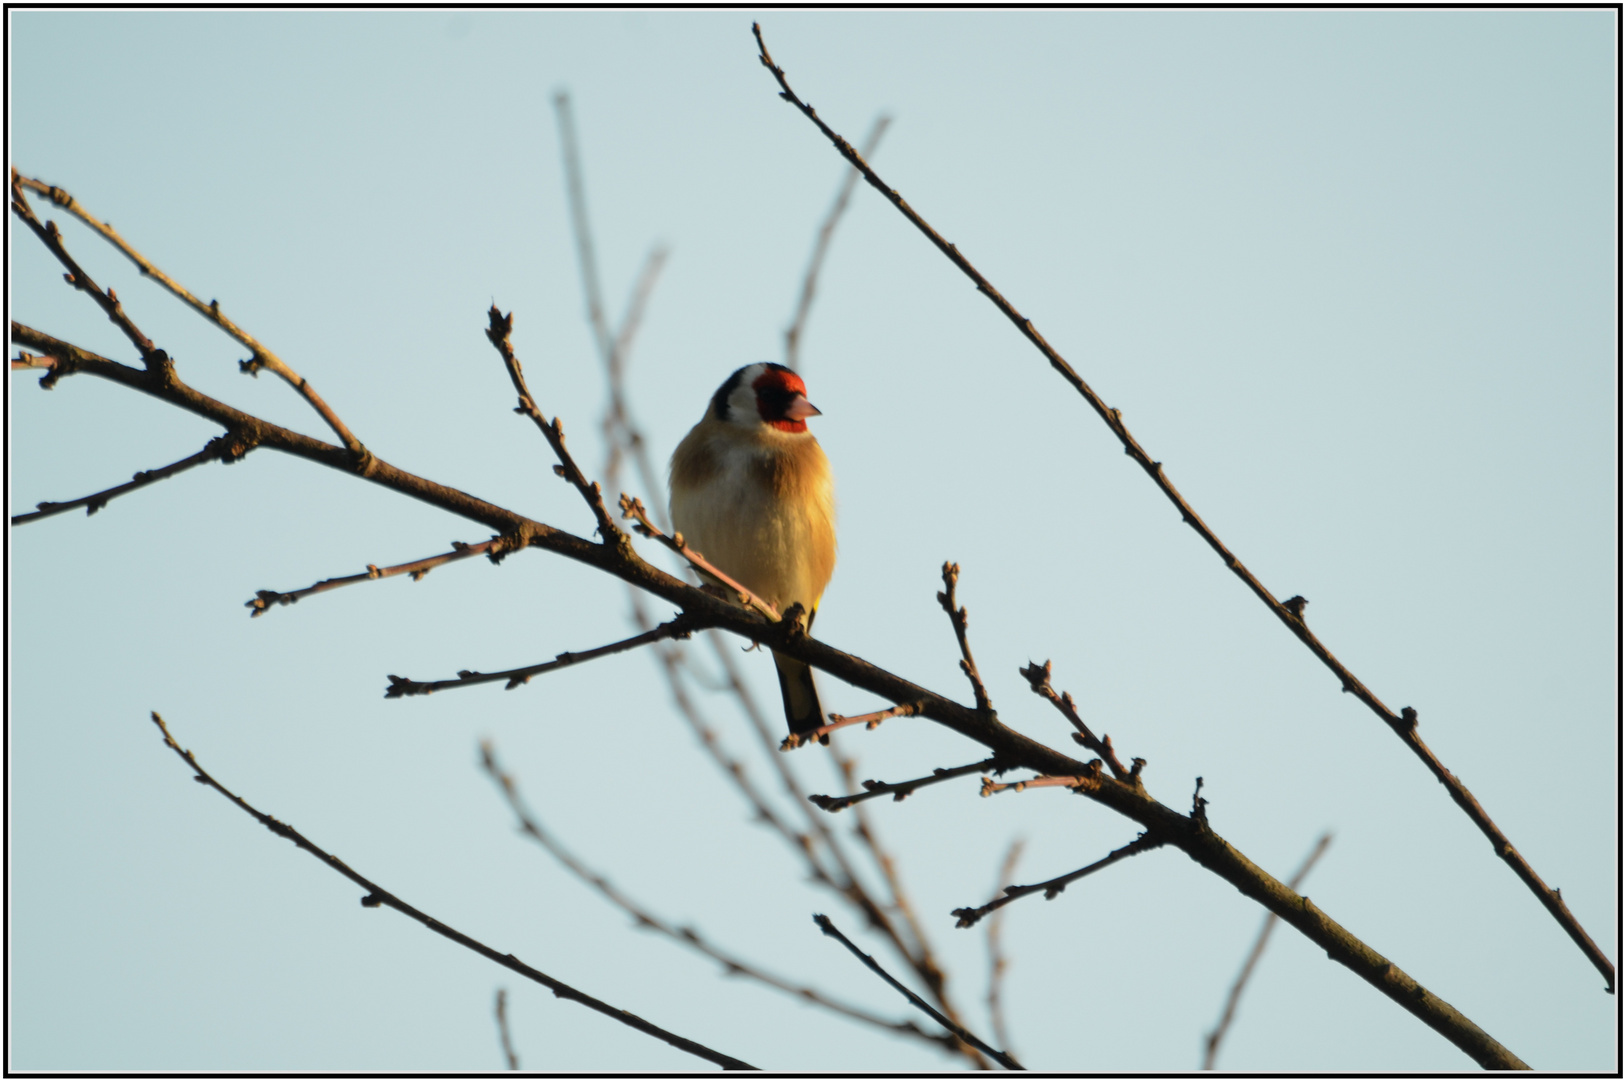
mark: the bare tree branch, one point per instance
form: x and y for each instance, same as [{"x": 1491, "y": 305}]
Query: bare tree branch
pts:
[
  {"x": 678, "y": 627},
  {"x": 914, "y": 999},
  {"x": 622, "y": 433},
  {"x": 1402, "y": 724},
  {"x": 379, "y": 897},
  {"x": 502, "y": 1030},
  {"x": 623, "y": 437},
  {"x": 151, "y": 356},
  {"x": 1194, "y": 836},
  {"x": 1055, "y": 886},
  {"x": 820, "y": 248},
  {"x": 961, "y": 629},
  {"x": 917, "y": 948},
  {"x": 1269, "y": 920},
  {"x": 265, "y": 599},
  {"x": 583, "y": 234},
  {"x": 1038, "y": 678},
  {"x": 875, "y": 788},
  {"x": 262, "y": 358},
  {"x": 869, "y": 720},
  {"x": 220, "y": 448},
  {"x": 500, "y": 333},
  {"x": 997, "y": 964},
  {"x": 690, "y": 938},
  {"x": 1078, "y": 783}
]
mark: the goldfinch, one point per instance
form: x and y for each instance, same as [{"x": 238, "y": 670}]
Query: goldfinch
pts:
[{"x": 751, "y": 491}]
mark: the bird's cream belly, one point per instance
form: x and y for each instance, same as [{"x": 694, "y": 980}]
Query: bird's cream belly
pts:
[{"x": 758, "y": 542}]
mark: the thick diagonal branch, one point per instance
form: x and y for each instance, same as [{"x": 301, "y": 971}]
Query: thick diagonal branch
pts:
[
  {"x": 1402, "y": 725},
  {"x": 1252, "y": 957},
  {"x": 1195, "y": 838}
]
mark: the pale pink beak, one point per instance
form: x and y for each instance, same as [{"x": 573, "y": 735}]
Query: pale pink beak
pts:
[{"x": 800, "y": 409}]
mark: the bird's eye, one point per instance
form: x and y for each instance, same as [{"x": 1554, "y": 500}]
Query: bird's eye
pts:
[{"x": 773, "y": 402}]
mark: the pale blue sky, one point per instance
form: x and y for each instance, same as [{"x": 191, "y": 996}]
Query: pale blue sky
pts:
[{"x": 1351, "y": 275}]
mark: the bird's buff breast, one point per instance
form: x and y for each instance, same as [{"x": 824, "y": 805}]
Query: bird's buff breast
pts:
[{"x": 774, "y": 538}]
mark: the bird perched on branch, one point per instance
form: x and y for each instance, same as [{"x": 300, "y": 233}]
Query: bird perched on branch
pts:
[{"x": 752, "y": 492}]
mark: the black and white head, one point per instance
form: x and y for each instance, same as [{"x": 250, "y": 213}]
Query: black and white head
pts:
[{"x": 768, "y": 394}]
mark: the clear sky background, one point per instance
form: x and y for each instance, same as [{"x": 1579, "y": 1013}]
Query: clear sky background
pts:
[{"x": 1350, "y": 275}]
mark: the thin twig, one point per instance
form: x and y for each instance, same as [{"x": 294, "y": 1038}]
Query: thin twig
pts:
[
  {"x": 379, "y": 897},
  {"x": 873, "y": 789},
  {"x": 152, "y": 357},
  {"x": 500, "y": 333},
  {"x": 914, "y": 999},
  {"x": 583, "y": 237},
  {"x": 671, "y": 662},
  {"x": 1084, "y": 781},
  {"x": 620, "y": 430},
  {"x": 679, "y": 627},
  {"x": 961, "y": 629},
  {"x": 502, "y": 1030},
  {"x": 914, "y": 949},
  {"x": 836, "y": 722},
  {"x": 820, "y": 248},
  {"x": 919, "y": 951},
  {"x": 262, "y": 358},
  {"x": 265, "y": 599},
  {"x": 1402, "y": 724},
  {"x": 686, "y": 936},
  {"x": 1055, "y": 886},
  {"x": 1256, "y": 954},
  {"x": 734, "y": 770},
  {"x": 220, "y": 448},
  {"x": 55, "y": 367},
  {"x": 997, "y": 963},
  {"x": 1038, "y": 678},
  {"x": 613, "y": 348}
]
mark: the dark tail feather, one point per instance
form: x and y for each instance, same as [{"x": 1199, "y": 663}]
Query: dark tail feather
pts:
[{"x": 801, "y": 706}]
